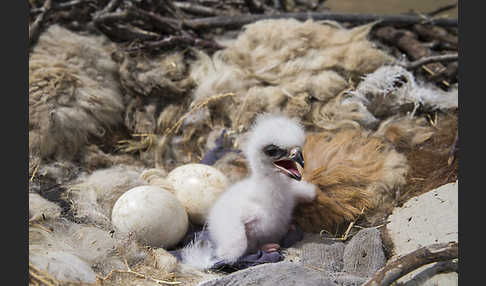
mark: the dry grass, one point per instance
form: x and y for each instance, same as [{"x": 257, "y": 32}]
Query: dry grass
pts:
[
  {"x": 39, "y": 277},
  {"x": 197, "y": 106}
]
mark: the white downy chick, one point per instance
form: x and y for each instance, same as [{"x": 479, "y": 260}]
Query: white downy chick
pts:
[{"x": 257, "y": 210}]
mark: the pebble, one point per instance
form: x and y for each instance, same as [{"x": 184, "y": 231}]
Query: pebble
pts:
[{"x": 274, "y": 274}]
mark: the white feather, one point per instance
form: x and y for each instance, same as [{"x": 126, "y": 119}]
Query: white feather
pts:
[
  {"x": 199, "y": 254},
  {"x": 258, "y": 209}
]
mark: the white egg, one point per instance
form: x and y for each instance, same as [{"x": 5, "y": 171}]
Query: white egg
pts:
[
  {"x": 155, "y": 216},
  {"x": 197, "y": 186}
]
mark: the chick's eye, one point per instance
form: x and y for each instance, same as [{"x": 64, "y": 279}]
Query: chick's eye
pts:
[{"x": 272, "y": 151}]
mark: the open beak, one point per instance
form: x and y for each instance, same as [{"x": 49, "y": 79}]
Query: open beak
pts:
[{"x": 292, "y": 165}]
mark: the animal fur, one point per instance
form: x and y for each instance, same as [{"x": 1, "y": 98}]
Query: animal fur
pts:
[
  {"x": 40, "y": 208},
  {"x": 389, "y": 88},
  {"x": 428, "y": 159},
  {"x": 280, "y": 65},
  {"x": 258, "y": 209},
  {"x": 93, "y": 195},
  {"x": 388, "y": 91},
  {"x": 95, "y": 246},
  {"x": 354, "y": 172},
  {"x": 74, "y": 95}
]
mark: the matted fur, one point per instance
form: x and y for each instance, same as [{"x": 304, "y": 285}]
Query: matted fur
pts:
[
  {"x": 73, "y": 92},
  {"x": 405, "y": 132},
  {"x": 391, "y": 87},
  {"x": 341, "y": 112},
  {"x": 93, "y": 195},
  {"x": 40, "y": 208},
  {"x": 160, "y": 76},
  {"x": 428, "y": 159},
  {"x": 281, "y": 65},
  {"x": 355, "y": 172},
  {"x": 100, "y": 249}
]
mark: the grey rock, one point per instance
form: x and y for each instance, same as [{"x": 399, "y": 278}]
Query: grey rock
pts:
[
  {"x": 426, "y": 219},
  {"x": 363, "y": 254},
  {"x": 345, "y": 279},
  {"x": 327, "y": 256},
  {"x": 274, "y": 274}
]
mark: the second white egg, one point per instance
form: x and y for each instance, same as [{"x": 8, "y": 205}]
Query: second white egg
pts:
[{"x": 197, "y": 186}]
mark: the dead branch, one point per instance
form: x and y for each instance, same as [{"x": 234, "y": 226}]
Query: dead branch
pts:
[
  {"x": 441, "y": 9},
  {"x": 197, "y": 9},
  {"x": 111, "y": 6},
  {"x": 109, "y": 23},
  {"x": 173, "y": 41},
  {"x": 254, "y": 6},
  {"x": 431, "y": 59},
  {"x": 61, "y": 6},
  {"x": 407, "y": 263},
  {"x": 241, "y": 20},
  {"x": 403, "y": 39},
  {"x": 104, "y": 17},
  {"x": 437, "y": 268},
  {"x": 35, "y": 28},
  {"x": 407, "y": 42},
  {"x": 436, "y": 34},
  {"x": 164, "y": 24}
]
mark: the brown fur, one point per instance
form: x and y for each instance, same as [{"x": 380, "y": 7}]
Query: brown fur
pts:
[
  {"x": 429, "y": 168},
  {"x": 353, "y": 171}
]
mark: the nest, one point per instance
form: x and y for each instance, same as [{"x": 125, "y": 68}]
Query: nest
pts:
[{"x": 99, "y": 117}]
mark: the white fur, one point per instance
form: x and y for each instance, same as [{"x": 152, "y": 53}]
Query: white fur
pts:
[
  {"x": 199, "y": 254},
  {"x": 379, "y": 89},
  {"x": 258, "y": 209}
]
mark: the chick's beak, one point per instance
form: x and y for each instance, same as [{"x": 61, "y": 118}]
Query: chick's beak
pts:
[
  {"x": 296, "y": 155},
  {"x": 292, "y": 165}
]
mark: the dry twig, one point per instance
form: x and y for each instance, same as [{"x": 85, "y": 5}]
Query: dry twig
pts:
[
  {"x": 34, "y": 172},
  {"x": 172, "y": 41},
  {"x": 241, "y": 20},
  {"x": 38, "y": 276},
  {"x": 35, "y": 28},
  {"x": 130, "y": 146},
  {"x": 196, "y": 9},
  {"x": 441, "y": 9},
  {"x": 407, "y": 42},
  {"x": 345, "y": 236},
  {"x": 139, "y": 275},
  {"x": 431, "y": 59},
  {"x": 61, "y": 6},
  {"x": 178, "y": 124},
  {"x": 407, "y": 263}
]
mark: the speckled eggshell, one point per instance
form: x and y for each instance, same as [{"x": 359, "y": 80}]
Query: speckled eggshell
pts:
[
  {"x": 155, "y": 215},
  {"x": 197, "y": 186}
]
